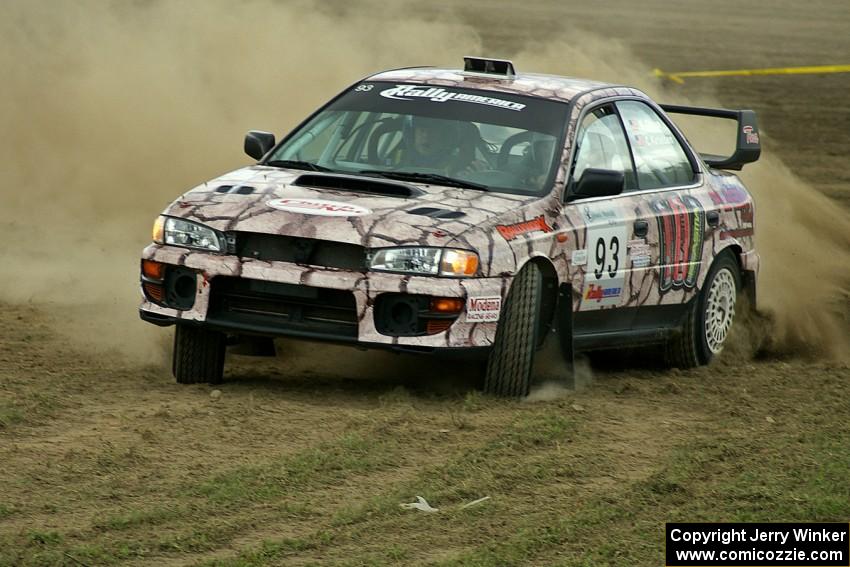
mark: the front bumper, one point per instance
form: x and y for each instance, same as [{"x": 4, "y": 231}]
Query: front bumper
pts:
[{"x": 365, "y": 288}]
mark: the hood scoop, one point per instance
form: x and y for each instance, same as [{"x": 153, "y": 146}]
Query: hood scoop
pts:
[
  {"x": 235, "y": 189},
  {"x": 356, "y": 185},
  {"x": 436, "y": 213}
]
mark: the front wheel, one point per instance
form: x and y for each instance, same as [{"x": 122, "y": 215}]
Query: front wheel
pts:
[
  {"x": 198, "y": 355},
  {"x": 709, "y": 320},
  {"x": 512, "y": 358}
]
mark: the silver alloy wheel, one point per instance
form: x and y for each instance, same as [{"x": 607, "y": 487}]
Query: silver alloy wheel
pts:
[{"x": 720, "y": 309}]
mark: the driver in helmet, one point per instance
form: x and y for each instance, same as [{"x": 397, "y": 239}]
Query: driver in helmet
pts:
[{"x": 435, "y": 144}]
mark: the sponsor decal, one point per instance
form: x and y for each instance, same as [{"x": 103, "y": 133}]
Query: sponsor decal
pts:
[
  {"x": 640, "y": 253},
  {"x": 732, "y": 197},
  {"x": 579, "y": 257},
  {"x": 744, "y": 217},
  {"x": 653, "y": 139},
  {"x": 641, "y": 260},
  {"x": 439, "y": 94},
  {"x": 751, "y": 134},
  {"x": 483, "y": 309},
  {"x": 746, "y": 213},
  {"x": 512, "y": 231},
  {"x": 728, "y": 194},
  {"x": 681, "y": 227},
  {"x": 318, "y": 207},
  {"x": 590, "y": 214},
  {"x": 598, "y": 293},
  {"x": 647, "y": 133}
]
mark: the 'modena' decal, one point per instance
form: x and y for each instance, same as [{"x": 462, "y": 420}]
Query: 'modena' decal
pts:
[
  {"x": 483, "y": 309},
  {"x": 319, "y": 207}
]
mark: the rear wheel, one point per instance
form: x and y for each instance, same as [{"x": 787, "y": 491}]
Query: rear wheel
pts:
[
  {"x": 709, "y": 319},
  {"x": 512, "y": 358},
  {"x": 198, "y": 355}
]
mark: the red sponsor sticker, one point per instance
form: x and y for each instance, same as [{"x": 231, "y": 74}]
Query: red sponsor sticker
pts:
[
  {"x": 318, "y": 207},
  {"x": 483, "y": 309},
  {"x": 751, "y": 134},
  {"x": 512, "y": 231}
]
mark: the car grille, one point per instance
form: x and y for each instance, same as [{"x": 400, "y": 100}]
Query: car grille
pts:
[
  {"x": 282, "y": 309},
  {"x": 309, "y": 251}
]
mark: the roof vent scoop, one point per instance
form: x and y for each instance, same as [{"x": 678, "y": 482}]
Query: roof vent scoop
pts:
[{"x": 484, "y": 66}]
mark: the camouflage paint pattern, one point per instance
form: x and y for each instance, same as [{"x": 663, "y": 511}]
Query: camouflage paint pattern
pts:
[{"x": 506, "y": 230}]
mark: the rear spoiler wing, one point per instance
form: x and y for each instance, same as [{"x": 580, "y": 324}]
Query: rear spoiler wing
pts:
[{"x": 747, "y": 148}]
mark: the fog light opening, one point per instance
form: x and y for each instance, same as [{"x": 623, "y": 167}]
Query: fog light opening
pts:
[
  {"x": 401, "y": 313},
  {"x": 184, "y": 287}
]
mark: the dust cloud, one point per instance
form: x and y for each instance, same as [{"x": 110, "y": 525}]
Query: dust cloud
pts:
[{"x": 112, "y": 109}]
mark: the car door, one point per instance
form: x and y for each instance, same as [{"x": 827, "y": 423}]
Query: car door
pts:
[
  {"x": 670, "y": 212},
  {"x": 601, "y": 261}
]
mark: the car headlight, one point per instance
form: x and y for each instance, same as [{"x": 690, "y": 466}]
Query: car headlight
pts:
[
  {"x": 428, "y": 261},
  {"x": 179, "y": 232}
]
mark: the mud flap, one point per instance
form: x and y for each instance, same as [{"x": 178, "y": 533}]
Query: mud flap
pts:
[
  {"x": 564, "y": 326},
  {"x": 748, "y": 283},
  {"x": 554, "y": 360}
]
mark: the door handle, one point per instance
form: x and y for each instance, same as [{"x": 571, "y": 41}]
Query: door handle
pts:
[
  {"x": 713, "y": 218},
  {"x": 641, "y": 228}
]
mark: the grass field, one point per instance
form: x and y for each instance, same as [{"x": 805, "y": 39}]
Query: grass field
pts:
[{"x": 105, "y": 464}]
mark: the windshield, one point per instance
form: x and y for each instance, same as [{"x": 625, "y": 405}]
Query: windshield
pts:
[{"x": 492, "y": 140}]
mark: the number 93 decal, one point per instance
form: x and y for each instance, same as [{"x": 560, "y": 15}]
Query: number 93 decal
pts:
[
  {"x": 613, "y": 264},
  {"x": 605, "y": 272}
]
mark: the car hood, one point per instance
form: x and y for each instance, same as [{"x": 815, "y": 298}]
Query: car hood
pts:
[{"x": 278, "y": 201}]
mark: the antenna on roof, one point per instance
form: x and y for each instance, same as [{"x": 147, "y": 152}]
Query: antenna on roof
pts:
[{"x": 489, "y": 66}]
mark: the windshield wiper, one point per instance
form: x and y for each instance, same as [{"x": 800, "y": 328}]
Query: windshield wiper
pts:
[
  {"x": 296, "y": 164},
  {"x": 426, "y": 178}
]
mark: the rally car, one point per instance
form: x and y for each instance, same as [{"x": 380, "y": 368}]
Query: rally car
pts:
[{"x": 476, "y": 211}]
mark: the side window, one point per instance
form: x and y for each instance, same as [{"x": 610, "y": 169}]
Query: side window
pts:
[
  {"x": 602, "y": 145},
  {"x": 659, "y": 158}
]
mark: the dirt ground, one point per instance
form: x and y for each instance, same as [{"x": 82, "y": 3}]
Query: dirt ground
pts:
[{"x": 304, "y": 459}]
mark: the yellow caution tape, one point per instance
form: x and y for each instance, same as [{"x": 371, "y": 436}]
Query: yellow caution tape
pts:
[{"x": 813, "y": 70}]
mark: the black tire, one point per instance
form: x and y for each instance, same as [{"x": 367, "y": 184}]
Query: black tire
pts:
[
  {"x": 690, "y": 348},
  {"x": 512, "y": 357},
  {"x": 198, "y": 355}
]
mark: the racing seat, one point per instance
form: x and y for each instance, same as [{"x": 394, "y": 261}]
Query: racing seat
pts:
[
  {"x": 600, "y": 151},
  {"x": 383, "y": 140}
]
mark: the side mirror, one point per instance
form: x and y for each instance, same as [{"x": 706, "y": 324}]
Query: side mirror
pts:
[
  {"x": 598, "y": 183},
  {"x": 258, "y": 143}
]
